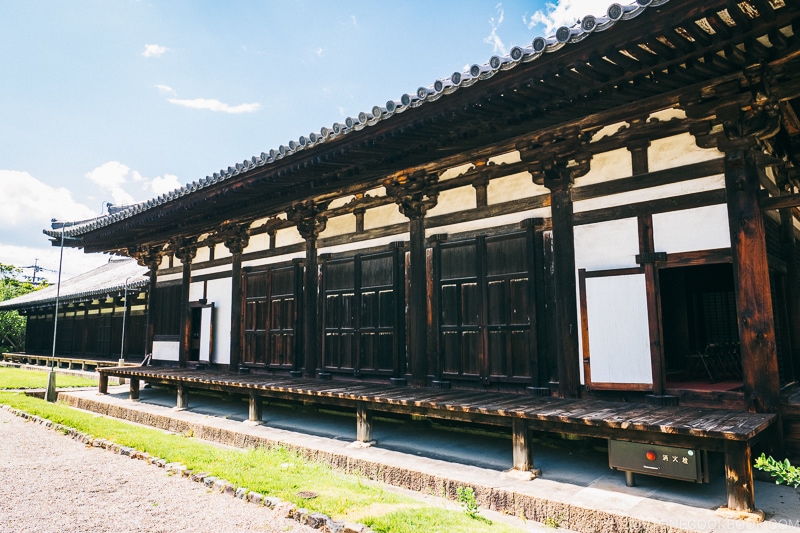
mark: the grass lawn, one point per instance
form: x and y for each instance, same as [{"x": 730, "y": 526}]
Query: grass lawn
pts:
[
  {"x": 20, "y": 378},
  {"x": 272, "y": 472}
]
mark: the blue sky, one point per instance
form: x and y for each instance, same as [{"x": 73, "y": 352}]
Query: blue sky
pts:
[{"x": 120, "y": 101}]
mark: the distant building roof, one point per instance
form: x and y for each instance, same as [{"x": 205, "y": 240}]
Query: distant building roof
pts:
[{"x": 107, "y": 280}]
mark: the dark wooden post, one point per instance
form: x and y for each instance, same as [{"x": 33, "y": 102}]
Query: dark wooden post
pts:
[
  {"x": 134, "y": 389},
  {"x": 102, "y": 385},
  {"x": 182, "y": 398},
  {"x": 185, "y": 250},
  {"x": 790, "y": 255},
  {"x": 751, "y": 283},
  {"x": 236, "y": 240},
  {"x": 363, "y": 423},
  {"x": 310, "y": 222},
  {"x": 739, "y": 476},
  {"x": 566, "y": 319},
  {"x": 555, "y": 162},
  {"x": 523, "y": 456},
  {"x": 149, "y": 257},
  {"x": 415, "y": 195},
  {"x": 255, "y": 411}
]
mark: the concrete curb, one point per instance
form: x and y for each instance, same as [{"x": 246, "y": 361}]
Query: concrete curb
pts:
[{"x": 276, "y": 505}]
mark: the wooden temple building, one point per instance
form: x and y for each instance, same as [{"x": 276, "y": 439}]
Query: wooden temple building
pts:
[
  {"x": 96, "y": 311},
  {"x": 607, "y": 215}
]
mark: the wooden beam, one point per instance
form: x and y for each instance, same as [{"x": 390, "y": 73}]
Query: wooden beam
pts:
[{"x": 780, "y": 202}]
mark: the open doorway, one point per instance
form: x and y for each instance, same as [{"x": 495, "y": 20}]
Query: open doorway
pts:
[{"x": 700, "y": 328}]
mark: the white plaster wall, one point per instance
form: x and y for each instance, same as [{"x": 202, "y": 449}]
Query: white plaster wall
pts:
[
  {"x": 196, "y": 290},
  {"x": 607, "y": 245},
  {"x": 358, "y": 245},
  {"x": 454, "y": 172},
  {"x": 513, "y": 187},
  {"x": 169, "y": 277},
  {"x": 607, "y": 166},
  {"x": 482, "y": 223},
  {"x": 256, "y": 243},
  {"x": 273, "y": 260},
  {"x": 506, "y": 158},
  {"x": 221, "y": 251},
  {"x": 287, "y": 236},
  {"x": 203, "y": 254},
  {"x": 709, "y": 183},
  {"x": 384, "y": 215},
  {"x": 619, "y": 339},
  {"x": 339, "y": 202},
  {"x": 453, "y": 200},
  {"x": 702, "y": 228},
  {"x": 339, "y": 226},
  {"x": 676, "y": 151},
  {"x": 219, "y": 293},
  {"x": 210, "y": 270}
]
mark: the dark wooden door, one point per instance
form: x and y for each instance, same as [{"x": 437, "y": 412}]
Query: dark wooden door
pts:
[
  {"x": 362, "y": 314},
  {"x": 485, "y": 301},
  {"x": 271, "y": 316}
]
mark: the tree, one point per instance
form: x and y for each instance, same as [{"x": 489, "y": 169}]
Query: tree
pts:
[{"x": 12, "y": 325}]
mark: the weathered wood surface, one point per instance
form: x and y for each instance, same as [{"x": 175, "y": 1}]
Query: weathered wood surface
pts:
[{"x": 587, "y": 416}]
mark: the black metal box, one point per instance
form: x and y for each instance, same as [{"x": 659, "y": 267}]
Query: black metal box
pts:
[{"x": 654, "y": 460}]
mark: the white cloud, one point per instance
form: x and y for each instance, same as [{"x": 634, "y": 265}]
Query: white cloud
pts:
[
  {"x": 493, "y": 38},
  {"x": 319, "y": 51},
  {"x": 565, "y": 13},
  {"x": 215, "y": 105},
  {"x": 47, "y": 257},
  {"x": 154, "y": 50},
  {"x": 111, "y": 177},
  {"x": 354, "y": 20},
  {"x": 28, "y": 202},
  {"x": 115, "y": 179},
  {"x": 166, "y": 89},
  {"x": 168, "y": 183},
  {"x": 26, "y": 207}
]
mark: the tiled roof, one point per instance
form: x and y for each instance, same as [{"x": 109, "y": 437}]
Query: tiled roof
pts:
[
  {"x": 476, "y": 73},
  {"x": 107, "y": 280}
]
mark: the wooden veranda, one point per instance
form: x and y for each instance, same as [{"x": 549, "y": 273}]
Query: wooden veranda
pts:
[{"x": 732, "y": 433}]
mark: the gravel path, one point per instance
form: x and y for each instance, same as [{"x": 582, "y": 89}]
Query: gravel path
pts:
[{"x": 51, "y": 483}]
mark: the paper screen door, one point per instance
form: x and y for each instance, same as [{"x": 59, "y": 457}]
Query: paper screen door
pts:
[{"x": 615, "y": 330}]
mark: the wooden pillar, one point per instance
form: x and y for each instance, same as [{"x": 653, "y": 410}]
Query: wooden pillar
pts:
[
  {"x": 149, "y": 257},
  {"x": 415, "y": 195},
  {"x": 311, "y": 221},
  {"x": 134, "y": 389},
  {"x": 363, "y": 423},
  {"x": 739, "y": 476},
  {"x": 566, "y": 311},
  {"x": 236, "y": 240},
  {"x": 102, "y": 386},
  {"x": 182, "y": 398},
  {"x": 520, "y": 439},
  {"x": 185, "y": 250},
  {"x": 751, "y": 283},
  {"x": 555, "y": 163},
  {"x": 255, "y": 411},
  {"x": 792, "y": 281}
]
